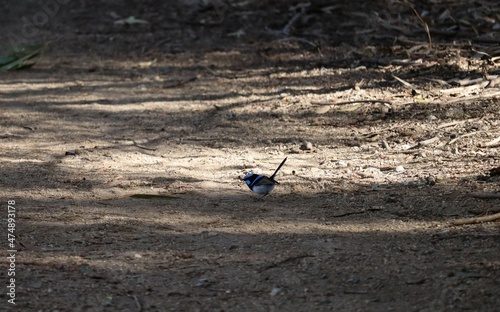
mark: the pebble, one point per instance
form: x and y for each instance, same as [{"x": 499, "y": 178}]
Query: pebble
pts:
[
  {"x": 430, "y": 180},
  {"x": 275, "y": 291},
  {"x": 306, "y": 146},
  {"x": 342, "y": 163},
  {"x": 322, "y": 109}
]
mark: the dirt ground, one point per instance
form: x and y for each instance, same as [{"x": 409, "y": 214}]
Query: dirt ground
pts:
[{"x": 183, "y": 106}]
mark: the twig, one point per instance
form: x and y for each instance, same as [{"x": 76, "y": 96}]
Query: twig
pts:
[
  {"x": 293, "y": 20},
  {"x": 211, "y": 71},
  {"x": 137, "y": 303},
  {"x": 471, "y": 98},
  {"x": 463, "y": 136},
  {"x": 492, "y": 143},
  {"x": 314, "y": 45},
  {"x": 440, "y": 44},
  {"x": 386, "y": 61},
  {"x": 385, "y": 144},
  {"x": 355, "y": 212},
  {"x": 145, "y": 147},
  {"x": 453, "y": 123},
  {"x": 405, "y": 83},
  {"x": 476, "y": 220},
  {"x": 441, "y": 82},
  {"x": 468, "y": 82},
  {"x": 450, "y": 124},
  {"x": 289, "y": 259},
  {"x": 426, "y": 27},
  {"x": 425, "y": 142},
  {"x": 469, "y": 88},
  {"x": 352, "y": 102}
]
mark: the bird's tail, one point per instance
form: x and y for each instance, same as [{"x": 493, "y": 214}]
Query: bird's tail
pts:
[{"x": 279, "y": 167}]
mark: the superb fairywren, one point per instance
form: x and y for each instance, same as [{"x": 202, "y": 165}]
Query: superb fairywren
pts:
[{"x": 261, "y": 184}]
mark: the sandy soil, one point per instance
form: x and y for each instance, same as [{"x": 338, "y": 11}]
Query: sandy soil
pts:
[{"x": 183, "y": 107}]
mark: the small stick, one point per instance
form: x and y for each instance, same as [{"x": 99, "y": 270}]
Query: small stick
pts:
[
  {"x": 314, "y": 45},
  {"x": 405, "y": 83},
  {"x": 356, "y": 212},
  {"x": 469, "y": 88},
  {"x": 385, "y": 144},
  {"x": 471, "y": 98},
  {"x": 468, "y": 82},
  {"x": 137, "y": 303},
  {"x": 492, "y": 143},
  {"x": 426, "y": 27},
  {"x": 462, "y": 136},
  {"x": 425, "y": 142},
  {"x": 145, "y": 147},
  {"x": 351, "y": 102},
  {"x": 476, "y": 220},
  {"x": 429, "y": 141},
  {"x": 440, "y": 44},
  {"x": 453, "y": 123},
  {"x": 449, "y": 124},
  {"x": 289, "y": 259},
  {"x": 293, "y": 20}
]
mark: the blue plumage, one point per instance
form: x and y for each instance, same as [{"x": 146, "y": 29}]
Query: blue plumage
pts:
[{"x": 261, "y": 184}]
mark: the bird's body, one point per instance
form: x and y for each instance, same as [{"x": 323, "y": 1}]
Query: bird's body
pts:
[{"x": 260, "y": 184}]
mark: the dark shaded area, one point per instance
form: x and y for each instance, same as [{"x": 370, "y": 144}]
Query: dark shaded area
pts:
[{"x": 188, "y": 267}]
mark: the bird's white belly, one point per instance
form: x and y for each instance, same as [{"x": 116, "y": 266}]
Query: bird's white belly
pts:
[{"x": 263, "y": 189}]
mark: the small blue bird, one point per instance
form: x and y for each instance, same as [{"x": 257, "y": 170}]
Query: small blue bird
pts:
[{"x": 260, "y": 184}]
